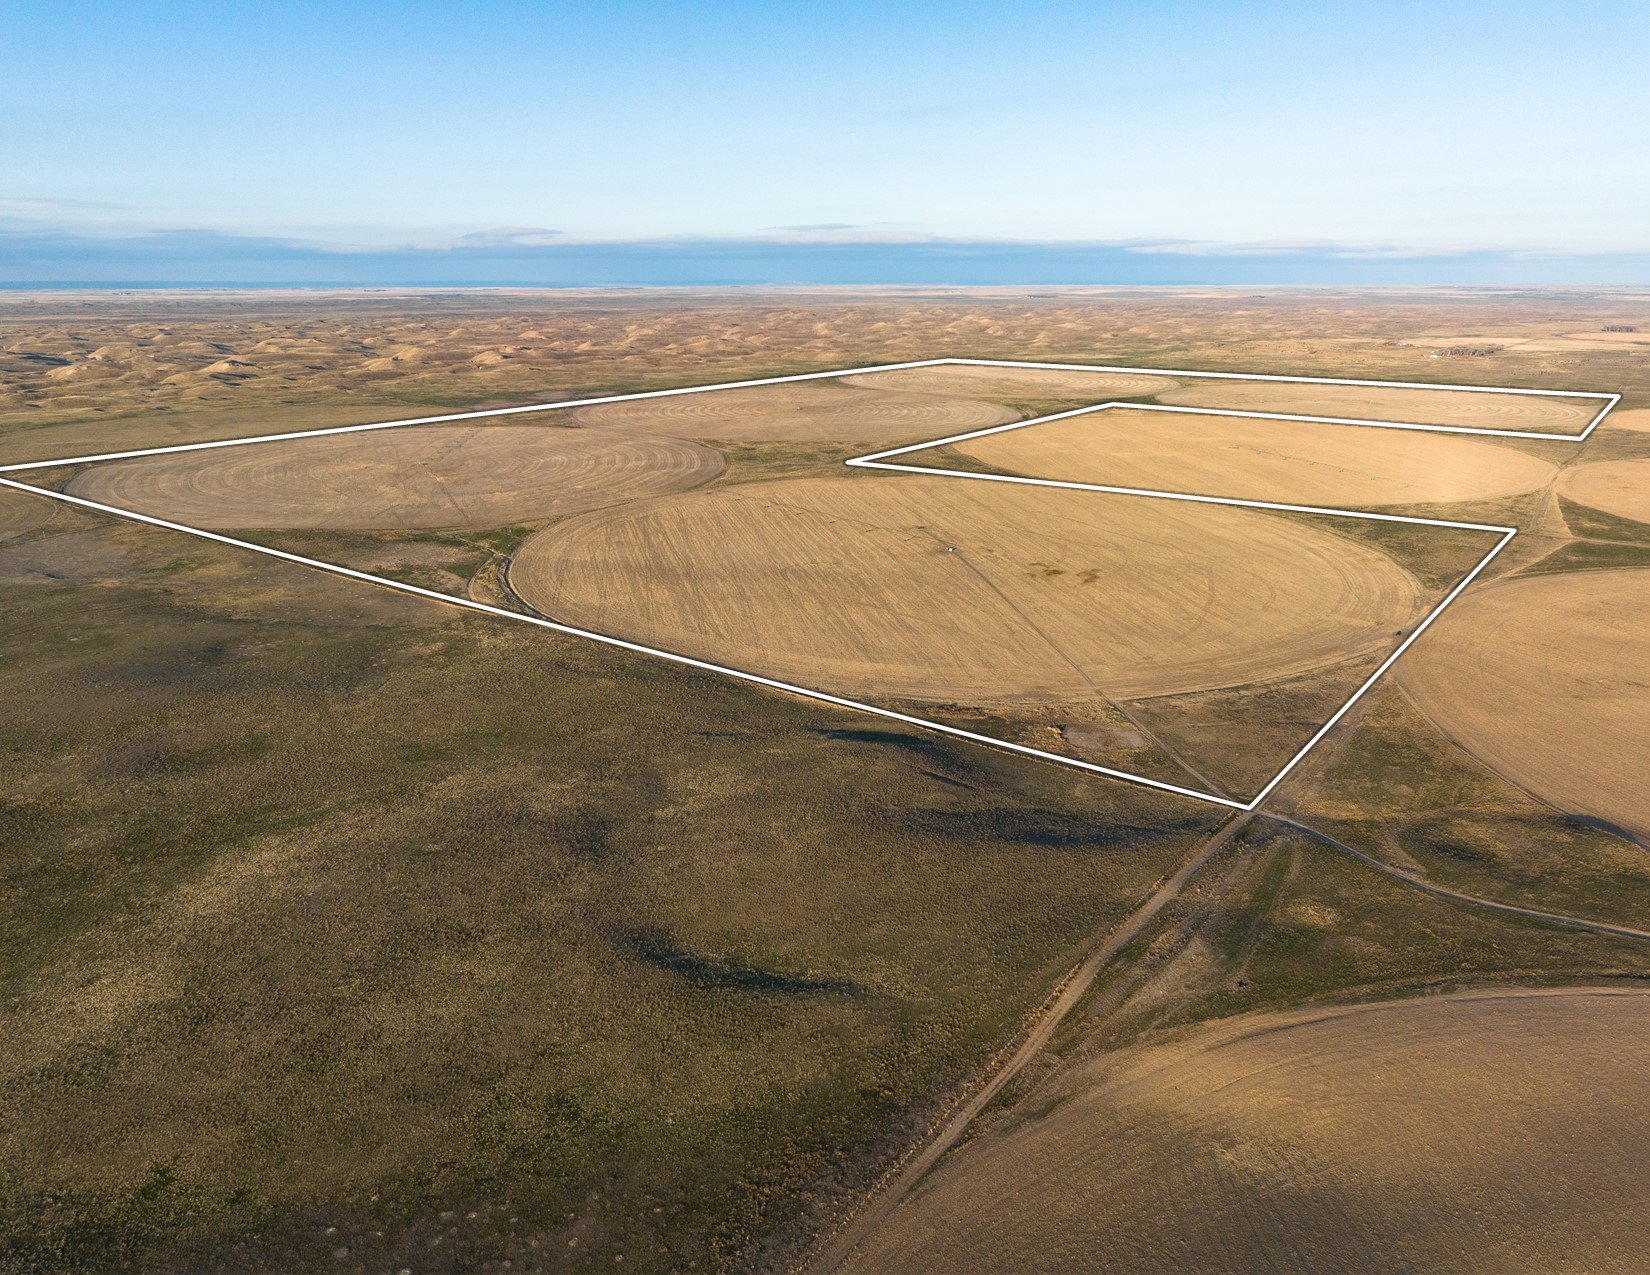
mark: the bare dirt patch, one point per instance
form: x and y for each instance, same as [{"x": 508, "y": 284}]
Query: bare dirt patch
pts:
[
  {"x": 818, "y": 412},
  {"x": 1484, "y": 1132},
  {"x": 422, "y": 477},
  {"x": 939, "y": 589},
  {"x": 1620, "y": 487},
  {"x": 1423, "y": 407},
  {"x": 1263, "y": 460},
  {"x": 1544, "y": 680}
]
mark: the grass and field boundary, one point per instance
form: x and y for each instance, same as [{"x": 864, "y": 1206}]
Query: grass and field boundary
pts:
[{"x": 883, "y": 460}]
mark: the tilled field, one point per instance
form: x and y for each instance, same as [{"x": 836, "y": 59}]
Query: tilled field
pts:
[
  {"x": 942, "y": 589},
  {"x": 1620, "y": 487},
  {"x": 1425, "y": 407},
  {"x": 428, "y": 476},
  {"x": 801, "y": 413},
  {"x": 1263, "y": 460},
  {"x": 1015, "y": 382},
  {"x": 1544, "y": 680},
  {"x": 1469, "y": 1133}
]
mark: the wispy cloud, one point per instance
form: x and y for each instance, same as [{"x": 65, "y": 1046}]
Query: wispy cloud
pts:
[
  {"x": 506, "y": 236},
  {"x": 817, "y": 254}
]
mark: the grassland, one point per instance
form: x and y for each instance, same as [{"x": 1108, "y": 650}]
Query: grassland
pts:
[
  {"x": 339, "y": 931},
  {"x": 1154, "y": 1135},
  {"x": 323, "y": 931}
]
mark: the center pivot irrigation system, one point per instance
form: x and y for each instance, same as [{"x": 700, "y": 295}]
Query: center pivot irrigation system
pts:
[{"x": 884, "y": 460}]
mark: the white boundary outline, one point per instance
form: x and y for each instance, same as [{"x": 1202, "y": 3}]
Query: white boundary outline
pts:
[{"x": 879, "y": 460}]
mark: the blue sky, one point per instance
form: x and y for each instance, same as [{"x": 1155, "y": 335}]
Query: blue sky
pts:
[{"x": 1193, "y": 126}]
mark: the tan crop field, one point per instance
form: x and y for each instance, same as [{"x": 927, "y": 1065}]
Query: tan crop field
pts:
[
  {"x": 435, "y": 476},
  {"x": 936, "y": 589},
  {"x": 1633, "y": 418},
  {"x": 1014, "y": 383},
  {"x": 1470, "y": 1133},
  {"x": 827, "y": 412},
  {"x": 1263, "y": 460},
  {"x": 1428, "y": 407},
  {"x": 348, "y": 930},
  {"x": 1620, "y": 487},
  {"x": 1548, "y": 682}
]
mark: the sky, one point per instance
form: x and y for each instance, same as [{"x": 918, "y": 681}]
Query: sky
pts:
[{"x": 1185, "y": 129}]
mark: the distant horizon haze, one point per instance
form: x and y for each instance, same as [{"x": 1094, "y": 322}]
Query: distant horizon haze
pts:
[{"x": 649, "y": 142}]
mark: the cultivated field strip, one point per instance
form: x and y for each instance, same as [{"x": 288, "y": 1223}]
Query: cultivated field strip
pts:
[
  {"x": 1546, "y": 680},
  {"x": 1412, "y": 1130},
  {"x": 444, "y": 476},
  {"x": 1435, "y": 407},
  {"x": 883, "y": 460},
  {"x": 1014, "y": 383},
  {"x": 1264, "y": 460},
  {"x": 1619, "y": 487},
  {"x": 934, "y": 590},
  {"x": 818, "y": 412}
]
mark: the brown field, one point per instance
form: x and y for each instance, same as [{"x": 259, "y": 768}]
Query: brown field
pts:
[
  {"x": 1015, "y": 383},
  {"x": 1620, "y": 487},
  {"x": 1544, "y": 681},
  {"x": 429, "y": 476},
  {"x": 943, "y": 589},
  {"x": 1421, "y": 407},
  {"x": 1487, "y": 1132},
  {"x": 826, "y": 412},
  {"x": 1263, "y": 460},
  {"x": 1635, "y": 419}
]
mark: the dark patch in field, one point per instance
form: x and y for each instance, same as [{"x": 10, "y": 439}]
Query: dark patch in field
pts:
[
  {"x": 660, "y": 950},
  {"x": 1604, "y": 825},
  {"x": 1035, "y": 826},
  {"x": 931, "y": 751}
]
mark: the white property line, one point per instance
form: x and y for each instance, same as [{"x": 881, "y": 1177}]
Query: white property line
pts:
[{"x": 878, "y": 460}]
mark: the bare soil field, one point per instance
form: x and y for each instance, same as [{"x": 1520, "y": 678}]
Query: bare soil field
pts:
[
  {"x": 428, "y": 476},
  {"x": 1015, "y": 383},
  {"x": 1620, "y": 487},
  {"x": 942, "y": 589},
  {"x": 1545, "y": 681},
  {"x": 1421, "y": 407},
  {"x": 819, "y": 412},
  {"x": 1262, "y": 460},
  {"x": 1485, "y": 1132},
  {"x": 1634, "y": 418}
]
